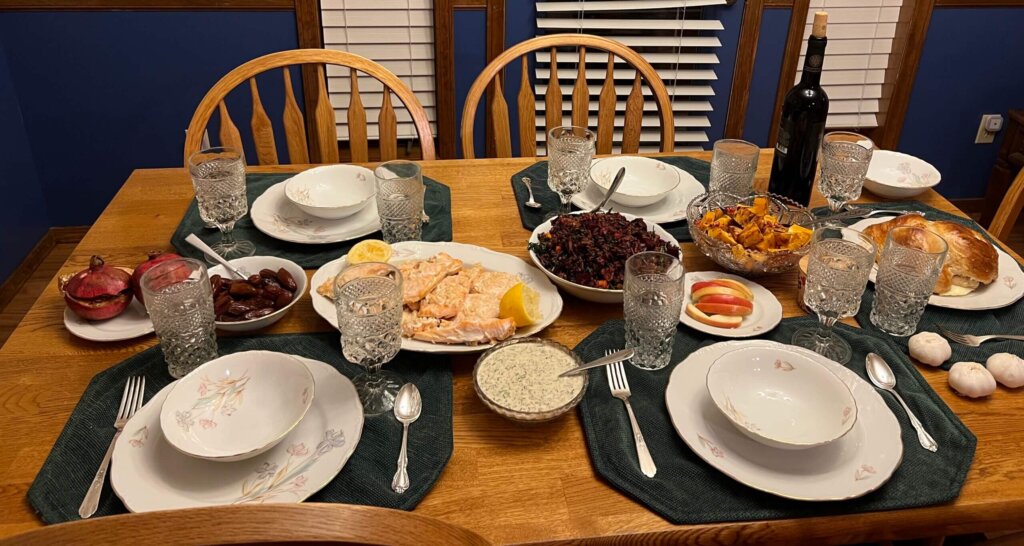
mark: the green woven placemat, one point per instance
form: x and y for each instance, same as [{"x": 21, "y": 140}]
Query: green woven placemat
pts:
[
  {"x": 61, "y": 483},
  {"x": 1007, "y": 320},
  {"x": 686, "y": 490},
  {"x": 538, "y": 172},
  {"x": 437, "y": 203}
]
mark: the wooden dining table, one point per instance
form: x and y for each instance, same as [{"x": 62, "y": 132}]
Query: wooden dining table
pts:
[{"x": 511, "y": 483}]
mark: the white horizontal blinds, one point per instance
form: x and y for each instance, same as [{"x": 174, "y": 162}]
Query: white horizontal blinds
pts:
[
  {"x": 672, "y": 35},
  {"x": 398, "y": 34},
  {"x": 860, "y": 35}
]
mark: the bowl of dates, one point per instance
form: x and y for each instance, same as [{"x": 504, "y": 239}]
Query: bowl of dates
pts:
[{"x": 271, "y": 287}]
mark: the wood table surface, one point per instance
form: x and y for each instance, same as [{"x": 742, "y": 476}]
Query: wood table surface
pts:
[{"x": 510, "y": 483}]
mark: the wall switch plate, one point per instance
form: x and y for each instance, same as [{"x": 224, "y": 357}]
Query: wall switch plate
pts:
[{"x": 987, "y": 129}]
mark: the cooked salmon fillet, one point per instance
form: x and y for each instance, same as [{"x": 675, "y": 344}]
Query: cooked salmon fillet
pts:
[
  {"x": 480, "y": 306},
  {"x": 412, "y": 323},
  {"x": 326, "y": 289},
  {"x": 468, "y": 332},
  {"x": 494, "y": 283},
  {"x": 420, "y": 277},
  {"x": 447, "y": 299}
]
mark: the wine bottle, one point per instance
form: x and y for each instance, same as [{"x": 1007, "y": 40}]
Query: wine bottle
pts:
[{"x": 802, "y": 124}]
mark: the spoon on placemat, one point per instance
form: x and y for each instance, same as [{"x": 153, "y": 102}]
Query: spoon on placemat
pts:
[
  {"x": 612, "y": 189},
  {"x": 530, "y": 202},
  {"x": 408, "y": 405},
  {"x": 198, "y": 243},
  {"x": 881, "y": 375}
]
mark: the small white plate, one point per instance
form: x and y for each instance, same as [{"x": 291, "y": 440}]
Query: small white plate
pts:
[
  {"x": 1005, "y": 290},
  {"x": 550, "y": 300},
  {"x": 670, "y": 209},
  {"x": 134, "y": 322},
  {"x": 767, "y": 309},
  {"x": 273, "y": 214},
  {"x": 148, "y": 474},
  {"x": 855, "y": 465}
]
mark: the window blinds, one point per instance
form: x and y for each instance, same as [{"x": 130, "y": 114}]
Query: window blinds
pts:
[
  {"x": 672, "y": 35},
  {"x": 398, "y": 34},
  {"x": 860, "y": 36}
]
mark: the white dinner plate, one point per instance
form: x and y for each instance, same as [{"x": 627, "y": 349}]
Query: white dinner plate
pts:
[
  {"x": 273, "y": 214},
  {"x": 148, "y": 474},
  {"x": 1005, "y": 290},
  {"x": 670, "y": 209},
  {"x": 550, "y": 300},
  {"x": 134, "y": 322},
  {"x": 854, "y": 465},
  {"x": 767, "y": 309}
]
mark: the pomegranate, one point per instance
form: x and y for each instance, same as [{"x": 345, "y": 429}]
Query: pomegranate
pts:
[
  {"x": 99, "y": 292},
  {"x": 155, "y": 257}
]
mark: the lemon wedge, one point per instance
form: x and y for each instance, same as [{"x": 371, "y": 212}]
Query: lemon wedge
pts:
[
  {"x": 521, "y": 304},
  {"x": 370, "y": 250}
]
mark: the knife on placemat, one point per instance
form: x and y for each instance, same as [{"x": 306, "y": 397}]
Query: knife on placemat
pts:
[{"x": 624, "y": 354}]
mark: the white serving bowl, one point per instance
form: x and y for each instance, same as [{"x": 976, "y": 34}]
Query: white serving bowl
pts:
[
  {"x": 237, "y": 406},
  {"x": 596, "y": 295},
  {"x": 646, "y": 181},
  {"x": 331, "y": 192},
  {"x": 899, "y": 176},
  {"x": 252, "y": 265},
  {"x": 781, "y": 398}
]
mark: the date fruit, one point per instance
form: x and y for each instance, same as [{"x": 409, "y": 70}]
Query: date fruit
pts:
[{"x": 255, "y": 297}]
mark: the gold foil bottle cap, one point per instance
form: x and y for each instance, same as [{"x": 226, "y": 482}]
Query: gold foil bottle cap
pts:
[{"x": 820, "y": 23}]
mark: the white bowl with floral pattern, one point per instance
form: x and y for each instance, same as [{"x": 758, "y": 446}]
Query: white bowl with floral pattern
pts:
[
  {"x": 237, "y": 406},
  {"x": 331, "y": 192},
  {"x": 899, "y": 176},
  {"x": 781, "y": 398}
]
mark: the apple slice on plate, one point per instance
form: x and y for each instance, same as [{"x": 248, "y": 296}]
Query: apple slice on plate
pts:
[
  {"x": 718, "y": 321},
  {"x": 728, "y": 306}
]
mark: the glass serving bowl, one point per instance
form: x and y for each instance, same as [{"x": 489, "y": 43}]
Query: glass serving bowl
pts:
[
  {"x": 525, "y": 416},
  {"x": 748, "y": 262}
]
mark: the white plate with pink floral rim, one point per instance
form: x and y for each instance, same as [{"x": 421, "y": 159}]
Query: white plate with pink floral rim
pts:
[
  {"x": 130, "y": 324},
  {"x": 856, "y": 464},
  {"x": 767, "y": 313},
  {"x": 276, "y": 216},
  {"x": 148, "y": 474},
  {"x": 1005, "y": 290},
  {"x": 670, "y": 209}
]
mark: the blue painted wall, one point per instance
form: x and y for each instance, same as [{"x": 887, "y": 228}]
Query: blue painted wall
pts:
[
  {"x": 730, "y": 17},
  {"x": 771, "y": 48},
  {"x": 108, "y": 92},
  {"x": 971, "y": 65},
  {"x": 25, "y": 220},
  {"x": 470, "y": 29}
]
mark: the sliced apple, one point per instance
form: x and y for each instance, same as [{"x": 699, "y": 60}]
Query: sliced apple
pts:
[
  {"x": 727, "y": 300},
  {"x": 723, "y": 309},
  {"x": 718, "y": 321},
  {"x": 735, "y": 285},
  {"x": 699, "y": 293}
]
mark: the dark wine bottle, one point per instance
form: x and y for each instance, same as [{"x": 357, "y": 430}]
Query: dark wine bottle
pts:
[{"x": 802, "y": 124}]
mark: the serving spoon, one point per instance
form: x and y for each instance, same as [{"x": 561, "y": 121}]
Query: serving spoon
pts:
[
  {"x": 198, "y": 243},
  {"x": 611, "y": 190},
  {"x": 408, "y": 405},
  {"x": 881, "y": 375}
]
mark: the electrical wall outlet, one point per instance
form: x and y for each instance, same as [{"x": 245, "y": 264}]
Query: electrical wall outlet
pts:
[{"x": 987, "y": 129}]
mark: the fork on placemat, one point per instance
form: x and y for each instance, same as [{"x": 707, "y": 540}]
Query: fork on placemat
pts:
[
  {"x": 131, "y": 401},
  {"x": 620, "y": 389},
  {"x": 973, "y": 341}
]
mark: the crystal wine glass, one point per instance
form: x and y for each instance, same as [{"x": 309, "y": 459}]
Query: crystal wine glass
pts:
[
  {"x": 218, "y": 176},
  {"x": 837, "y": 273},
  {"x": 845, "y": 158},
  {"x": 570, "y": 152},
  {"x": 368, "y": 299},
  {"x": 733, "y": 165}
]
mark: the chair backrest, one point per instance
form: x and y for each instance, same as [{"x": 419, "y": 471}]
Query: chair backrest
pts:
[
  {"x": 1009, "y": 210},
  {"x": 254, "y": 524},
  {"x": 497, "y": 110},
  {"x": 322, "y": 119}
]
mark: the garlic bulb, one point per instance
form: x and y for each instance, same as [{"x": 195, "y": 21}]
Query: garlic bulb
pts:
[
  {"x": 971, "y": 380},
  {"x": 1007, "y": 368},
  {"x": 929, "y": 348}
]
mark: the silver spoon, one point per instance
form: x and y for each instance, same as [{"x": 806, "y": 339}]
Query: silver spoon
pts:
[
  {"x": 198, "y": 243},
  {"x": 408, "y": 405},
  {"x": 611, "y": 190},
  {"x": 881, "y": 375},
  {"x": 530, "y": 202}
]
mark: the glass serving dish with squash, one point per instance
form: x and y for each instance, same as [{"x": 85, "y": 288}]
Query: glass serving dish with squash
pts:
[{"x": 756, "y": 235}]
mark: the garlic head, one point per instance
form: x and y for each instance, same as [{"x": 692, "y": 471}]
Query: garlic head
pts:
[
  {"x": 929, "y": 348},
  {"x": 1007, "y": 368},
  {"x": 971, "y": 379}
]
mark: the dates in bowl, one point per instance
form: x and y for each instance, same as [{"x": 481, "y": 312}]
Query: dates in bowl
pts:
[{"x": 272, "y": 286}]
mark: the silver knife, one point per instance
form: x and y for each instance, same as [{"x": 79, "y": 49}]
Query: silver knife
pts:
[{"x": 624, "y": 354}]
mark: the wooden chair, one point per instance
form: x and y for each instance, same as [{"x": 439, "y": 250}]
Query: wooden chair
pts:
[
  {"x": 1009, "y": 210},
  {"x": 322, "y": 119},
  {"x": 498, "y": 109},
  {"x": 255, "y": 524}
]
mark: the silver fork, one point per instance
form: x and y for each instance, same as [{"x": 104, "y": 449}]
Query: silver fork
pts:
[
  {"x": 973, "y": 341},
  {"x": 620, "y": 389},
  {"x": 131, "y": 401}
]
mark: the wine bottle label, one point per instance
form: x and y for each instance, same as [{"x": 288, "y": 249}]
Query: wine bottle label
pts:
[
  {"x": 782, "y": 144},
  {"x": 813, "y": 63}
]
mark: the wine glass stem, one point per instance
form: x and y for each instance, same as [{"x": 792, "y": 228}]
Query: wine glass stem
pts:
[
  {"x": 566, "y": 206},
  {"x": 227, "y": 236},
  {"x": 825, "y": 325},
  {"x": 835, "y": 206}
]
